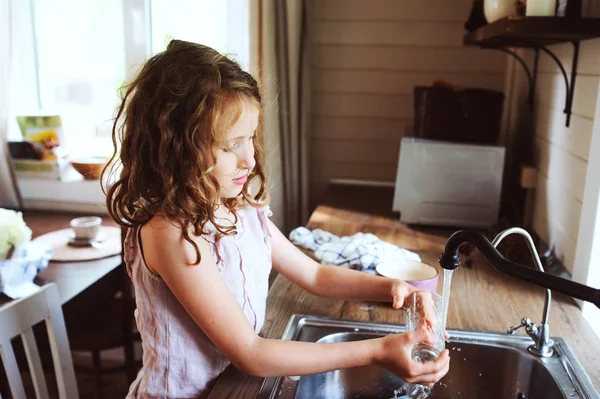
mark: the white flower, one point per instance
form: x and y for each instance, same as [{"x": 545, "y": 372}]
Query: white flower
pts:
[{"x": 13, "y": 231}]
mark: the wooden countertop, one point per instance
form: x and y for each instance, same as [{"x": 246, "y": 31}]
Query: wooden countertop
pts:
[{"x": 481, "y": 298}]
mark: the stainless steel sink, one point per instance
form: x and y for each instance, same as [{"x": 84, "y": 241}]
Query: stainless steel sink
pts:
[{"x": 483, "y": 365}]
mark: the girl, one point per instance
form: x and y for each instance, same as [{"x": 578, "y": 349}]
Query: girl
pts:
[{"x": 200, "y": 245}]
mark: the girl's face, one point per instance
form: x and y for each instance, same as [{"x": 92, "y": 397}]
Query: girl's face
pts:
[{"x": 235, "y": 159}]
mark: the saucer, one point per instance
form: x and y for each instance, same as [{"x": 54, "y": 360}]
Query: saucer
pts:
[
  {"x": 87, "y": 242},
  {"x": 63, "y": 251}
]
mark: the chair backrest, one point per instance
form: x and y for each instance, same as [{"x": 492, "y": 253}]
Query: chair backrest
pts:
[{"x": 18, "y": 318}]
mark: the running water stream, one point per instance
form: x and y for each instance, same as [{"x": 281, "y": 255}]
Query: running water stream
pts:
[{"x": 418, "y": 391}]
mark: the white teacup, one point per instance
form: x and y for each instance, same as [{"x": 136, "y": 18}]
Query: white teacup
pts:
[{"x": 86, "y": 227}]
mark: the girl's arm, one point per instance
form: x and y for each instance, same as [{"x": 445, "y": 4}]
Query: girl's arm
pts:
[
  {"x": 333, "y": 281},
  {"x": 203, "y": 293}
]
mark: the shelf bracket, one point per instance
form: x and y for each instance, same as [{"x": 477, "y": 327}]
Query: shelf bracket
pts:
[
  {"x": 531, "y": 76},
  {"x": 569, "y": 84}
]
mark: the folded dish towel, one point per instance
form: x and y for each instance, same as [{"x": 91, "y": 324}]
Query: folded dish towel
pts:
[{"x": 361, "y": 251}]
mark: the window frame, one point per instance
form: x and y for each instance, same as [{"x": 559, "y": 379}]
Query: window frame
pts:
[{"x": 586, "y": 269}]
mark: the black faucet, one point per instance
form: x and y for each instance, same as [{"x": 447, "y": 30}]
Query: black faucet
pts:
[{"x": 449, "y": 260}]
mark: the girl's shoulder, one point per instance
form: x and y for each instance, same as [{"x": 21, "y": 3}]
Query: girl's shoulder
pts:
[
  {"x": 165, "y": 235},
  {"x": 262, "y": 210},
  {"x": 250, "y": 217},
  {"x": 261, "y": 215}
]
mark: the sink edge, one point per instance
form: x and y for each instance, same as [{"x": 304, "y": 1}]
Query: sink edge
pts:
[{"x": 576, "y": 374}]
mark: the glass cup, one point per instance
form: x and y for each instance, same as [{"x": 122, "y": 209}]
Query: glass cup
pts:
[{"x": 424, "y": 308}]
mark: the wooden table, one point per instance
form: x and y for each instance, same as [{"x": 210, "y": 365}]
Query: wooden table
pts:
[
  {"x": 481, "y": 299},
  {"x": 72, "y": 278}
]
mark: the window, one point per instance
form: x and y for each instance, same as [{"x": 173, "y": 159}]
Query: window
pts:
[
  {"x": 69, "y": 58},
  {"x": 222, "y": 25},
  {"x": 80, "y": 59},
  {"x": 78, "y": 53},
  {"x": 204, "y": 22}
]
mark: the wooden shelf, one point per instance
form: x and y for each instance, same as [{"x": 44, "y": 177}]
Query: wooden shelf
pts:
[
  {"x": 537, "y": 33},
  {"x": 533, "y": 31}
]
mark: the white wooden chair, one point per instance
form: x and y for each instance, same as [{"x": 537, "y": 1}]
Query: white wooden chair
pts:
[{"x": 17, "y": 318}]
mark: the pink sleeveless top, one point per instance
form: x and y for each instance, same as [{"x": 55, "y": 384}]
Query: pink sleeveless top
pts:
[{"x": 178, "y": 360}]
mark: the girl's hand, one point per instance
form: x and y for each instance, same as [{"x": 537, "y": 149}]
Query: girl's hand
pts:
[
  {"x": 400, "y": 291},
  {"x": 424, "y": 305},
  {"x": 395, "y": 355}
]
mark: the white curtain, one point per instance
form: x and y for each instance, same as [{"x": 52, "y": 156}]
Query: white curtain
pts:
[
  {"x": 8, "y": 195},
  {"x": 279, "y": 57}
]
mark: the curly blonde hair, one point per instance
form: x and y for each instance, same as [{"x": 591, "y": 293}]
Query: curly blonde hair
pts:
[{"x": 172, "y": 116}]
